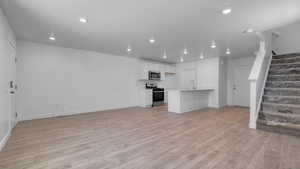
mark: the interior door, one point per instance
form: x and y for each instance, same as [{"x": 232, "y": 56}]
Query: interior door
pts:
[{"x": 241, "y": 86}]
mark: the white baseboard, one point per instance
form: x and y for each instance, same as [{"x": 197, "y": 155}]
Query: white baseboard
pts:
[
  {"x": 252, "y": 125},
  {"x": 214, "y": 106},
  {"x": 5, "y": 139},
  {"x": 68, "y": 113}
]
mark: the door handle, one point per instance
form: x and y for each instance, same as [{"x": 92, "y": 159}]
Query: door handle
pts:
[{"x": 12, "y": 92}]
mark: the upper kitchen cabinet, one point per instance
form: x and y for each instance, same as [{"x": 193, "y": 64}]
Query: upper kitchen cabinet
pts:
[
  {"x": 146, "y": 66},
  {"x": 162, "y": 71},
  {"x": 154, "y": 67},
  {"x": 170, "y": 69}
]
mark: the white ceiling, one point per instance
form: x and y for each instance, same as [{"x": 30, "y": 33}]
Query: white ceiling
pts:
[{"x": 113, "y": 24}]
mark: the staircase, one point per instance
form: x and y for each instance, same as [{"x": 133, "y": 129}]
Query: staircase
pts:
[{"x": 280, "y": 109}]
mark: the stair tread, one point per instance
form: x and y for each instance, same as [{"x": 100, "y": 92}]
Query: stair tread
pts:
[
  {"x": 278, "y": 88},
  {"x": 285, "y": 105},
  {"x": 285, "y": 75},
  {"x": 294, "y": 97},
  {"x": 294, "y": 57},
  {"x": 277, "y": 127},
  {"x": 287, "y": 54},
  {"x": 280, "y": 81},
  {"x": 286, "y": 69},
  {"x": 280, "y": 114},
  {"x": 284, "y": 125},
  {"x": 285, "y": 64}
]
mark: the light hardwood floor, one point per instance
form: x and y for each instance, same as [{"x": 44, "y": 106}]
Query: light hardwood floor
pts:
[{"x": 152, "y": 138}]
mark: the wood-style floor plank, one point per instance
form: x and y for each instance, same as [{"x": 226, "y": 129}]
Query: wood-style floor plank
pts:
[{"x": 150, "y": 138}]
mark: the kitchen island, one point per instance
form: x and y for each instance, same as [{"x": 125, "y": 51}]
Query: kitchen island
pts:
[{"x": 186, "y": 100}]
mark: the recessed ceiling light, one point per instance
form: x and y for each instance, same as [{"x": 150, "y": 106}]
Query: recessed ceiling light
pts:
[
  {"x": 228, "y": 52},
  {"x": 129, "y": 48},
  {"x": 181, "y": 59},
  {"x": 249, "y": 30},
  {"x": 213, "y": 44},
  {"x": 226, "y": 11},
  {"x": 202, "y": 56},
  {"x": 83, "y": 20},
  {"x": 152, "y": 40},
  {"x": 52, "y": 37}
]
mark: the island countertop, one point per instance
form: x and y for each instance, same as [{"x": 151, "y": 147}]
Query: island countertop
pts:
[
  {"x": 191, "y": 90},
  {"x": 185, "y": 100}
]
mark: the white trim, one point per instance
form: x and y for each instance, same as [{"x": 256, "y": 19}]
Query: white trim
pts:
[
  {"x": 5, "y": 139},
  {"x": 69, "y": 113},
  {"x": 258, "y": 78},
  {"x": 253, "y": 118},
  {"x": 259, "y": 61},
  {"x": 252, "y": 124}
]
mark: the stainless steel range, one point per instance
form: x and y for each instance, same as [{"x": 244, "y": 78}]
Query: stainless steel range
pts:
[{"x": 158, "y": 94}]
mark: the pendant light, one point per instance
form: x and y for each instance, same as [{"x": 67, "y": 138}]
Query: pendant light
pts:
[
  {"x": 152, "y": 40},
  {"x": 165, "y": 55},
  {"x": 201, "y": 56},
  {"x": 185, "y": 52},
  {"x": 129, "y": 49},
  {"x": 228, "y": 52},
  {"x": 213, "y": 44},
  {"x": 52, "y": 37}
]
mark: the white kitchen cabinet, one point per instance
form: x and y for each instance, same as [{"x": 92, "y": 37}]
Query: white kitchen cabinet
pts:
[
  {"x": 154, "y": 67},
  {"x": 166, "y": 97},
  {"x": 145, "y": 98},
  {"x": 170, "y": 69},
  {"x": 150, "y": 66},
  {"x": 162, "y": 69},
  {"x": 146, "y": 66},
  {"x": 143, "y": 70},
  {"x": 181, "y": 101}
]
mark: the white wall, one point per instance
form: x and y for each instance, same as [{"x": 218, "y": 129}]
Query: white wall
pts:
[
  {"x": 7, "y": 66},
  {"x": 289, "y": 39},
  {"x": 223, "y": 68},
  {"x": 56, "y": 81},
  {"x": 232, "y": 65},
  {"x": 206, "y": 76}
]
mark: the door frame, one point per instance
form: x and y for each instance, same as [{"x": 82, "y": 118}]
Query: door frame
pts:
[{"x": 12, "y": 87}]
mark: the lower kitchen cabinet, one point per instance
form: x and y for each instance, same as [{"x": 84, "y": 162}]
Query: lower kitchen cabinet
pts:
[{"x": 145, "y": 98}]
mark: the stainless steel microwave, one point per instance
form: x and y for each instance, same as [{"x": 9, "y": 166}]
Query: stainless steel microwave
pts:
[{"x": 154, "y": 75}]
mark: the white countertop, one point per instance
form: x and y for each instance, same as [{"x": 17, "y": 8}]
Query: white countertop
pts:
[{"x": 191, "y": 90}]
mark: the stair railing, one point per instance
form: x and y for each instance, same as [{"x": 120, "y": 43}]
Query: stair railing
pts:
[{"x": 258, "y": 76}]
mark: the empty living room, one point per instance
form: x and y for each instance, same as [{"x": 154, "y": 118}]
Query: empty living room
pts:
[{"x": 149, "y": 84}]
